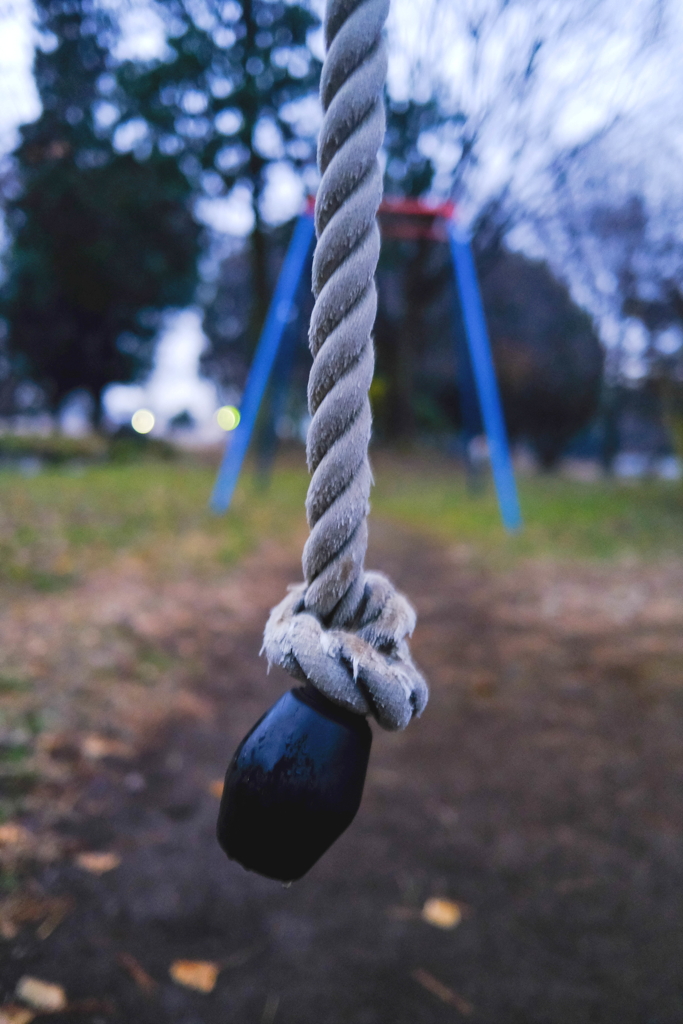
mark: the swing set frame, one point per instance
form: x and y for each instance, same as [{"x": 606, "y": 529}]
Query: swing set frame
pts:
[{"x": 404, "y": 219}]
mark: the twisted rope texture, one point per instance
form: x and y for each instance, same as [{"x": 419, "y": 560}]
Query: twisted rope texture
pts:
[
  {"x": 346, "y": 304},
  {"x": 344, "y": 630}
]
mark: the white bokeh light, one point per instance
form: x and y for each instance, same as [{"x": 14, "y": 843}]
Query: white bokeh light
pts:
[{"x": 174, "y": 386}]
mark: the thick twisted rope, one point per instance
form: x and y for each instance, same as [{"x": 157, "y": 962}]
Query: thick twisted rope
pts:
[{"x": 344, "y": 630}]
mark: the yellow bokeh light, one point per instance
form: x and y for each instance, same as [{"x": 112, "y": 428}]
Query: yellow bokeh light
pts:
[
  {"x": 142, "y": 421},
  {"x": 228, "y": 417}
]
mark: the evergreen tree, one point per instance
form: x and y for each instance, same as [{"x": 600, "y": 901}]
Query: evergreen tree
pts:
[
  {"x": 223, "y": 101},
  {"x": 102, "y": 242}
]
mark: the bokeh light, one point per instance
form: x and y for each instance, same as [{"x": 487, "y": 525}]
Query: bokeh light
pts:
[
  {"x": 142, "y": 421},
  {"x": 228, "y": 417}
]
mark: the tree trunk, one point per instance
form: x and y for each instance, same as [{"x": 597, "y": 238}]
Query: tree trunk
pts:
[
  {"x": 401, "y": 414},
  {"x": 260, "y": 279},
  {"x": 97, "y": 407}
]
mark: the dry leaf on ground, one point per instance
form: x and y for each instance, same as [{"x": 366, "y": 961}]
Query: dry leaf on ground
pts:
[
  {"x": 442, "y": 913},
  {"x": 18, "y": 844},
  {"x": 201, "y": 975},
  {"x": 12, "y": 834},
  {"x": 97, "y": 747},
  {"x": 442, "y": 992},
  {"x": 12, "y": 1014},
  {"x": 17, "y": 910},
  {"x": 30, "y": 908},
  {"x": 59, "y": 908},
  {"x": 216, "y": 788},
  {"x": 142, "y": 979},
  {"x": 41, "y": 995},
  {"x": 98, "y": 863}
]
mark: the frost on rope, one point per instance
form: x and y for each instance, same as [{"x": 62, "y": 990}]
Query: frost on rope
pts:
[{"x": 345, "y": 630}]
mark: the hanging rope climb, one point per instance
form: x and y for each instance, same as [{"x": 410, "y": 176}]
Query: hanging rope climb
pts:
[
  {"x": 345, "y": 630},
  {"x": 296, "y": 780}
]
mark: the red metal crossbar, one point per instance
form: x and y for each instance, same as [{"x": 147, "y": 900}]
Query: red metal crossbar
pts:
[
  {"x": 397, "y": 218},
  {"x": 417, "y": 208}
]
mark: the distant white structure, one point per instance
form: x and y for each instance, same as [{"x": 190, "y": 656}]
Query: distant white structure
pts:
[
  {"x": 174, "y": 386},
  {"x": 637, "y": 465}
]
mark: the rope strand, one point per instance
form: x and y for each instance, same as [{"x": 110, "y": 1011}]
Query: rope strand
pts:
[{"x": 345, "y": 308}]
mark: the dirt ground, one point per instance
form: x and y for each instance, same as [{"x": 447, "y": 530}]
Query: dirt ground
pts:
[{"x": 542, "y": 791}]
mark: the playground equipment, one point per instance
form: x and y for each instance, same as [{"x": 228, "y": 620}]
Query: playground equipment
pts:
[
  {"x": 296, "y": 780},
  {"x": 475, "y": 361}
]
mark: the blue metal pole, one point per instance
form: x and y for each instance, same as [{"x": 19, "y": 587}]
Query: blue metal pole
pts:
[
  {"x": 262, "y": 365},
  {"x": 485, "y": 377}
]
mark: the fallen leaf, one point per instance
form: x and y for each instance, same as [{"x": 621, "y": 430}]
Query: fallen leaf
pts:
[
  {"x": 41, "y": 995},
  {"x": 442, "y": 992},
  {"x": 201, "y": 975},
  {"x": 97, "y": 747},
  {"x": 142, "y": 979},
  {"x": 59, "y": 908},
  {"x": 442, "y": 913},
  {"x": 18, "y": 843},
  {"x": 216, "y": 788},
  {"x": 12, "y": 834},
  {"x": 28, "y": 908},
  {"x": 8, "y": 929},
  {"x": 12, "y": 1014},
  {"x": 98, "y": 863}
]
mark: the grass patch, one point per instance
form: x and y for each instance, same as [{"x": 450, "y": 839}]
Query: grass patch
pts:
[
  {"x": 607, "y": 519},
  {"x": 13, "y": 684},
  {"x": 56, "y": 527}
]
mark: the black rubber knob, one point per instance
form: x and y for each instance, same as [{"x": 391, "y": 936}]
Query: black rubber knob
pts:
[{"x": 294, "y": 785}]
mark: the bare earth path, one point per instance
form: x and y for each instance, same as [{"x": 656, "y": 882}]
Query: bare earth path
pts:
[{"x": 542, "y": 790}]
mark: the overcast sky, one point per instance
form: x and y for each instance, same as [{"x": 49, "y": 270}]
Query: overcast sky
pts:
[
  {"x": 592, "y": 66},
  {"x": 602, "y": 63}
]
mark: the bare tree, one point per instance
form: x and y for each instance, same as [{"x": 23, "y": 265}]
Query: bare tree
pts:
[
  {"x": 520, "y": 81},
  {"x": 561, "y": 135}
]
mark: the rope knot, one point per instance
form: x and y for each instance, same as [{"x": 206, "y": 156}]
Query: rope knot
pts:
[{"x": 367, "y": 667}]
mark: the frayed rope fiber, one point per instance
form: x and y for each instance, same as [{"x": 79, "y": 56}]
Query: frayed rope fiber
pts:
[
  {"x": 367, "y": 669},
  {"x": 345, "y": 629}
]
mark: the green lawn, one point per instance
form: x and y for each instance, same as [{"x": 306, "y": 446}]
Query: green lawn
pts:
[
  {"x": 58, "y": 525},
  {"x": 562, "y": 518}
]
